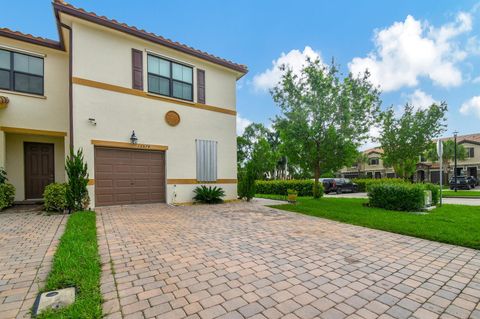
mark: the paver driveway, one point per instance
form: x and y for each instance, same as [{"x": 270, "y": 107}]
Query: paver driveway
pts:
[
  {"x": 247, "y": 261},
  {"x": 27, "y": 244}
]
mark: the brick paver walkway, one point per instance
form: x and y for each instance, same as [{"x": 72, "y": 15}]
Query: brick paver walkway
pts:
[
  {"x": 27, "y": 244},
  {"x": 248, "y": 261}
]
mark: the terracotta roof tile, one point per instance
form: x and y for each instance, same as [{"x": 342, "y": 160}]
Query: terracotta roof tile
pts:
[
  {"x": 5, "y": 32},
  {"x": 67, "y": 8}
]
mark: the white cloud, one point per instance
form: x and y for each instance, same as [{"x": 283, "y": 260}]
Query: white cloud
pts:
[
  {"x": 476, "y": 80},
  {"x": 420, "y": 100},
  {"x": 471, "y": 106},
  {"x": 242, "y": 123},
  {"x": 295, "y": 60},
  {"x": 411, "y": 49}
]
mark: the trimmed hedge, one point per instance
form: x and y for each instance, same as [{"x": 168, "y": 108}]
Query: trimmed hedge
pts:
[
  {"x": 7, "y": 195},
  {"x": 402, "y": 197},
  {"x": 281, "y": 187},
  {"x": 364, "y": 183},
  {"x": 55, "y": 196}
]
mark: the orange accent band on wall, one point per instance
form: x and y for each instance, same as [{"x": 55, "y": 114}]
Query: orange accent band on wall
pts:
[
  {"x": 124, "y": 90},
  {"x": 19, "y": 130},
  {"x": 146, "y": 147}
]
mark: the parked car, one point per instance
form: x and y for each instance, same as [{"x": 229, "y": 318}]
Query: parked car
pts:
[
  {"x": 462, "y": 183},
  {"x": 472, "y": 181},
  {"x": 338, "y": 185}
]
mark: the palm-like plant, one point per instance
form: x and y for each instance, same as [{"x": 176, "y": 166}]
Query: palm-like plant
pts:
[
  {"x": 448, "y": 154},
  {"x": 209, "y": 195},
  {"x": 362, "y": 159}
]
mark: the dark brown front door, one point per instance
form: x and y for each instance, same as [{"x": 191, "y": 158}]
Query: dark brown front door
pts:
[
  {"x": 39, "y": 168},
  {"x": 125, "y": 176}
]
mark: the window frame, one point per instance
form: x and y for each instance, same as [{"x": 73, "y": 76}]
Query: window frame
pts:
[
  {"x": 170, "y": 79},
  {"x": 370, "y": 161},
  {"x": 12, "y": 73},
  {"x": 470, "y": 152}
]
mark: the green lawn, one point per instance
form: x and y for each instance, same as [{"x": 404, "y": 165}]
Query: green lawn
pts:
[
  {"x": 461, "y": 193},
  {"x": 76, "y": 264},
  {"x": 453, "y": 224}
]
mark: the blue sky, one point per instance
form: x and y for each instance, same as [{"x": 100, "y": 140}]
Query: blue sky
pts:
[{"x": 420, "y": 51}]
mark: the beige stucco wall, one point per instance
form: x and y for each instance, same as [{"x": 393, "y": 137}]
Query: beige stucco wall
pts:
[
  {"x": 49, "y": 112},
  {"x": 3, "y": 150},
  {"x": 15, "y": 159},
  {"x": 117, "y": 115},
  {"x": 104, "y": 55},
  {"x": 472, "y": 161}
]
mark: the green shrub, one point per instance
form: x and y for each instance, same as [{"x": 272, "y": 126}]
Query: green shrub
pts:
[
  {"x": 281, "y": 187},
  {"x": 3, "y": 176},
  {"x": 55, "y": 196},
  {"x": 246, "y": 183},
  {"x": 7, "y": 195},
  {"x": 364, "y": 183},
  {"x": 435, "y": 189},
  {"x": 397, "y": 196},
  {"x": 209, "y": 195},
  {"x": 77, "y": 172}
]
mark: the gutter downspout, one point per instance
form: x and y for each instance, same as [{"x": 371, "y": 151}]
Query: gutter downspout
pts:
[{"x": 70, "y": 83}]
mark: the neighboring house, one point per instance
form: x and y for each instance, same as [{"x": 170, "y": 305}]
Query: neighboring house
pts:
[
  {"x": 154, "y": 117},
  {"x": 426, "y": 171},
  {"x": 372, "y": 167}
]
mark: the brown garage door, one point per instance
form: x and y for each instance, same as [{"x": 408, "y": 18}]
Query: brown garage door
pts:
[{"x": 124, "y": 176}]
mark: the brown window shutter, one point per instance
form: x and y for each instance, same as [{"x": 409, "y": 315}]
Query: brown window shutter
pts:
[
  {"x": 201, "y": 86},
  {"x": 137, "y": 69}
]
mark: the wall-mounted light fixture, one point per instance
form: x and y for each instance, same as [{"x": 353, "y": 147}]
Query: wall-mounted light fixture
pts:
[
  {"x": 92, "y": 121},
  {"x": 133, "y": 138}
]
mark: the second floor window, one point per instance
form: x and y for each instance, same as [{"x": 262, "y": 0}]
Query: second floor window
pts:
[
  {"x": 470, "y": 152},
  {"x": 374, "y": 161},
  {"x": 169, "y": 78},
  {"x": 21, "y": 72}
]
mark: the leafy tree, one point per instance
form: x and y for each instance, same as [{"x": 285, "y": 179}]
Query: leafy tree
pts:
[
  {"x": 404, "y": 138},
  {"x": 361, "y": 160},
  {"x": 77, "y": 172},
  {"x": 448, "y": 154},
  {"x": 246, "y": 182},
  {"x": 324, "y": 118},
  {"x": 255, "y": 147}
]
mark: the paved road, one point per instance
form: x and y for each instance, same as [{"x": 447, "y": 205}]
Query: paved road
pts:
[
  {"x": 245, "y": 260},
  {"x": 459, "y": 201},
  {"x": 27, "y": 244}
]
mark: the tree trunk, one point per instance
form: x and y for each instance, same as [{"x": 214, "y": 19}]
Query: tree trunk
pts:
[{"x": 316, "y": 177}]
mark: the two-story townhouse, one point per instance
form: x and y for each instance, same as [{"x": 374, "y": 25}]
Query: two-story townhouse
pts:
[
  {"x": 154, "y": 118},
  {"x": 426, "y": 171},
  {"x": 370, "y": 166}
]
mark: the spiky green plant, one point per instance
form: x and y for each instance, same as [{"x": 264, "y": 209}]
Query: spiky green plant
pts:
[
  {"x": 77, "y": 172},
  {"x": 209, "y": 195}
]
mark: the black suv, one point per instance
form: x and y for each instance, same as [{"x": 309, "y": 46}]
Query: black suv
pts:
[
  {"x": 338, "y": 185},
  {"x": 462, "y": 183},
  {"x": 472, "y": 181}
]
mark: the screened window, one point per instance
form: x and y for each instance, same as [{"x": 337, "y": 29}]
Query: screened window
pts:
[
  {"x": 169, "y": 78},
  {"x": 206, "y": 160},
  {"x": 21, "y": 72},
  {"x": 470, "y": 152}
]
